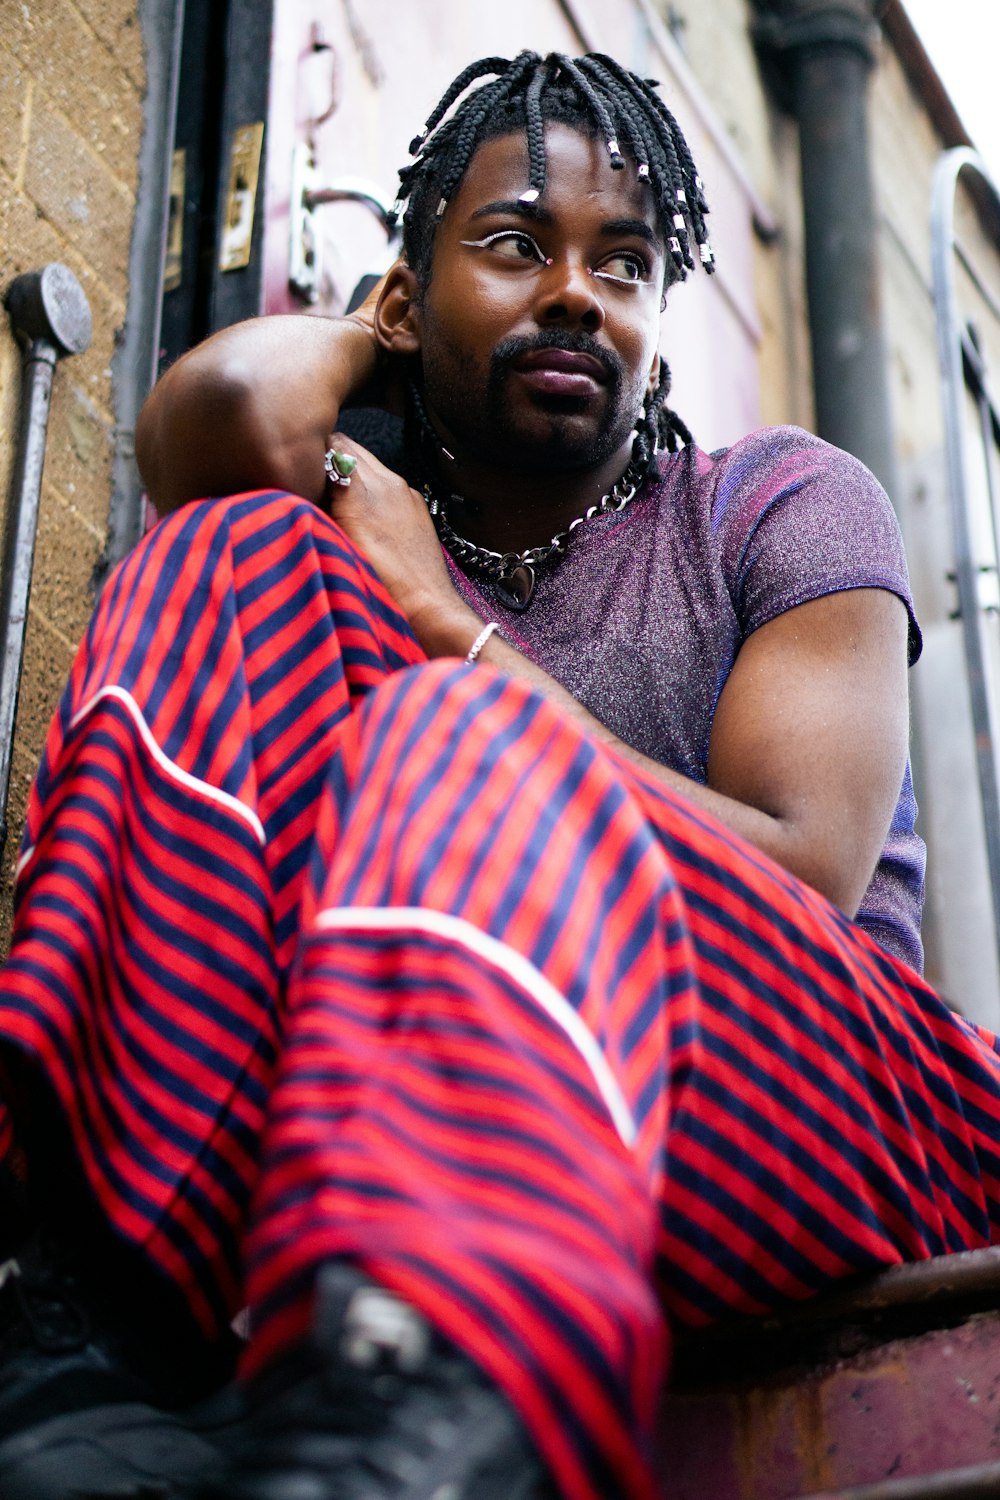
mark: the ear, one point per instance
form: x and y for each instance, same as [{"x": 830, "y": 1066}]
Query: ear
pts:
[
  {"x": 654, "y": 373},
  {"x": 397, "y": 312}
]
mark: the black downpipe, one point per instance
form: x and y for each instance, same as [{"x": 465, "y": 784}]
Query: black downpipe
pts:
[{"x": 824, "y": 51}]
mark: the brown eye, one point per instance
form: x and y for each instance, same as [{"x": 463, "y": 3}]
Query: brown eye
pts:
[
  {"x": 511, "y": 244},
  {"x": 625, "y": 266}
]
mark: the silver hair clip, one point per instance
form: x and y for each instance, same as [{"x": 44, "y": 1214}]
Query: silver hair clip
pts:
[
  {"x": 613, "y": 148},
  {"x": 674, "y": 246},
  {"x": 681, "y": 196},
  {"x": 706, "y": 253},
  {"x": 643, "y": 173},
  {"x": 441, "y": 207},
  {"x": 530, "y": 195},
  {"x": 679, "y": 222}
]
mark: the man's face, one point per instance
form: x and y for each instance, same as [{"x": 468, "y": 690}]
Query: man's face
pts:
[{"x": 540, "y": 323}]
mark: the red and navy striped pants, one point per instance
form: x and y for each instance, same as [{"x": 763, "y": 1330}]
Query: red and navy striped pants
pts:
[{"x": 327, "y": 950}]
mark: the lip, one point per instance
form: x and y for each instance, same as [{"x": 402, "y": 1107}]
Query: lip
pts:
[
  {"x": 561, "y": 372},
  {"x": 563, "y": 362}
]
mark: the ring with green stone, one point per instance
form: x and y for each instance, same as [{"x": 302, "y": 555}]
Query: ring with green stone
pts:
[{"x": 339, "y": 466}]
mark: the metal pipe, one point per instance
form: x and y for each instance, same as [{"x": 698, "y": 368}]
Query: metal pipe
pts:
[
  {"x": 826, "y": 49},
  {"x": 50, "y": 317}
]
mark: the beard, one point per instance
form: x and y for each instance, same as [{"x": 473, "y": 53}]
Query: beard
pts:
[{"x": 558, "y": 439}]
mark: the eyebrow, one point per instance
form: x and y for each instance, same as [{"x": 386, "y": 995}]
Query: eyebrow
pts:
[
  {"x": 638, "y": 227},
  {"x": 539, "y": 215},
  {"x": 513, "y": 206}
]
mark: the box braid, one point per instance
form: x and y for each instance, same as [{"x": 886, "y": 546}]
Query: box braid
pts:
[{"x": 597, "y": 96}]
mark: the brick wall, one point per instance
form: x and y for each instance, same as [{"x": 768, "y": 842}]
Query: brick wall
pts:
[{"x": 71, "y": 89}]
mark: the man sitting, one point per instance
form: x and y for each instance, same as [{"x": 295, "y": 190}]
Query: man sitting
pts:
[{"x": 531, "y": 994}]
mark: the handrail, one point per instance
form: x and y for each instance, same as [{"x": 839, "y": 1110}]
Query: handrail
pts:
[
  {"x": 50, "y": 317},
  {"x": 950, "y": 333}
]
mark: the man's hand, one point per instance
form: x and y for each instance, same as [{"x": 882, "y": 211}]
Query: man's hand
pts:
[
  {"x": 385, "y": 387},
  {"x": 389, "y": 522}
]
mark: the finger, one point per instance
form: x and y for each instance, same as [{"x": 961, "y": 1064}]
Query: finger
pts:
[
  {"x": 374, "y": 469},
  {"x": 345, "y": 444}
]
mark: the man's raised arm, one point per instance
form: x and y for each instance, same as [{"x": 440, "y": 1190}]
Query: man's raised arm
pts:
[{"x": 253, "y": 407}]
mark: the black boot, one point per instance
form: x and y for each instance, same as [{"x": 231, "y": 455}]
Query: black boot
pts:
[
  {"x": 77, "y": 1418},
  {"x": 377, "y": 1406}
]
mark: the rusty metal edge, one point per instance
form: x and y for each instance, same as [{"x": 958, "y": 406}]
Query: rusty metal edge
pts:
[
  {"x": 980, "y": 1482},
  {"x": 900, "y": 1301}
]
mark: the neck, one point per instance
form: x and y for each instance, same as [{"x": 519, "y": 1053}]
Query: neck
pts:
[{"x": 509, "y": 510}]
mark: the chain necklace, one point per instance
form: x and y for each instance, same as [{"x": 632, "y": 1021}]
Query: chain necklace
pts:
[{"x": 512, "y": 574}]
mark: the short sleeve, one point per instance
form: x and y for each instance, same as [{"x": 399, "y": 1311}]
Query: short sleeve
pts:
[{"x": 794, "y": 518}]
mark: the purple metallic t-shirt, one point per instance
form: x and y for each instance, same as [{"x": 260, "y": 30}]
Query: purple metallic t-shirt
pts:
[{"x": 643, "y": 617}]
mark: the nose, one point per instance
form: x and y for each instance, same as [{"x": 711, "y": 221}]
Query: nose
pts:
[{"x": 569, "y": 295}]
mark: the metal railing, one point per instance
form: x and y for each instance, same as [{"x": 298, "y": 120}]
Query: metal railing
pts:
[{"x": 964, "y": 373}]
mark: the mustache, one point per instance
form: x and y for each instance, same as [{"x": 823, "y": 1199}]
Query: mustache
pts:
[{"x": 515, "y": 345}]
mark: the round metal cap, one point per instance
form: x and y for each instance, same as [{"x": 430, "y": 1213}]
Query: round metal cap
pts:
[{"x": 51, "y": 304}]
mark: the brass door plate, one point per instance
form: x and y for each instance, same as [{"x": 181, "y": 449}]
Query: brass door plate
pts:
[
  {"x": 174, "y": 259},
  {"x": 241, "y": 197}
]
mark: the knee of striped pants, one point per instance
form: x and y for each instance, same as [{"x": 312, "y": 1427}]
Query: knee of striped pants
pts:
[{"x": 470, "y": 1101}]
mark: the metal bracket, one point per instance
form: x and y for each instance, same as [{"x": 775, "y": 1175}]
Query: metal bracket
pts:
[{"x": 305, "y": 249}]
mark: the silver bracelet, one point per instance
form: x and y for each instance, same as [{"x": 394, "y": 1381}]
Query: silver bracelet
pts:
[{"x": 480, "y": 642}]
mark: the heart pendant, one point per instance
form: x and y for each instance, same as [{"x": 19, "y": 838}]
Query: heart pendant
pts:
[{"x": 515, "y": 584}]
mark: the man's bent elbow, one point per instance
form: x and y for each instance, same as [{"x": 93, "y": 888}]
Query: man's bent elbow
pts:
[{"x": 194, "y": 436}]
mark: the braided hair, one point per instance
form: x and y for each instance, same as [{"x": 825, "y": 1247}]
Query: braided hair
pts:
[
  {"x": 596, "y": 96},
  {"x": 593, "y": 94}
]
